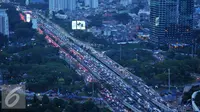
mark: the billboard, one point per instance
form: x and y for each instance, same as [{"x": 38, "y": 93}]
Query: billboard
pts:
[
  {"x": 28, "y": 18},
  {"x": 78, "y": 25}
]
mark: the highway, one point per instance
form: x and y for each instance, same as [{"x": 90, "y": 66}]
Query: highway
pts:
[
  {"x": 81, "y": 70},
  {"x": 137, "y": 96}
]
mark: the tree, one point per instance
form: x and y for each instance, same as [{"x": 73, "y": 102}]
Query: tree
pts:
[
  {"x": 123, "y": 18},
  {"x": 35, "y": 101},
  {"x": 48, "y": 110},
  {"x": 89, "y": 107},
  {"x": 135, "y": 10},
  {"x": 24, "y": 33},
  {"x": 45, "y": 99},
  {"x": 58, "y": 102},
  {"x": 61, "y": 12},
  {"x": 95, "y": 20},
  {"x": 3, "y": 40},
  {"x": 68, "y": 80},
  {"x": 171, "y": 54},
  {"x": 24, "y": 25}
]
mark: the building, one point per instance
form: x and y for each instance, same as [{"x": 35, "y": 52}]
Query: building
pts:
[
  {"x": 144, "y": 15},
  {"x": 56, "y": 5},
  {"x": 186, "y": 11},
  {"x": 87, "y": 3},
  {"x": 71, "y": 4},
  {"x": 27, "y": 2},
  {"x": 198, "y": 24},
  {"x": 4, "y": 1},
  {"x": 34, "y": 23},
  {"x": 91, "y": 3},
  {"x": 171, "y": 21},
  {"x": 125, "y": 2},
  {"x": 4, "y": 24}
]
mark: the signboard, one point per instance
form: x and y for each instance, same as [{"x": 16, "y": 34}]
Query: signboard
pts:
[
  {"x": 78, "y": 25},
  {"x": 28, "y": 18}
]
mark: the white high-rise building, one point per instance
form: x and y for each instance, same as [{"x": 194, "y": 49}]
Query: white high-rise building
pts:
[
  {"x": 92, "y": 3},
  {"x": 4, "y": 23},
  {"x": 56, "y": 5}
]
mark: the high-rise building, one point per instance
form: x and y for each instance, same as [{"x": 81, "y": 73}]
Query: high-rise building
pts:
[
  {"x": 171, "y": 21},
  {"x": 4, "y": 24},
  {"x": 92, "y": 3},
  {"x": 95, "y": 3},
  {"x": 71, "y": 4},
  {"x": 56, "y": 5}
]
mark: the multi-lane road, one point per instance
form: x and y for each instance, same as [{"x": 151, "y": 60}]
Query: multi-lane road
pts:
[{"x": 136, "y": 96}]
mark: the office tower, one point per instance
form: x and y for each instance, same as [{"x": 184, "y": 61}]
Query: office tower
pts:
[
  {"x": 171, "y": 21},
  {"x": 4, "y": 25},
  {"x": 56, "y": 5},
  {"x": 92, "y": 3},
  {"x": 186, "y": 10}
]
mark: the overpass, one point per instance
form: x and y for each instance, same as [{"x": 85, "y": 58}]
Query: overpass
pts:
[{"x": 194, "y": 106}]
